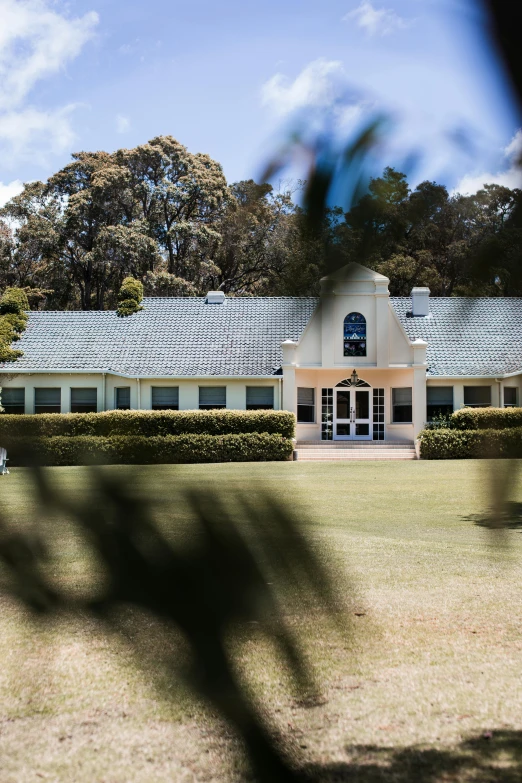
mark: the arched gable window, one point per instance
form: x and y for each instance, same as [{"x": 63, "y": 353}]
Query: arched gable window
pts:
[{"x": 354, "y": 335}]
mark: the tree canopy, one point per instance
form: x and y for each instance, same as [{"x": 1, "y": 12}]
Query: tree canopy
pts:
[{"x": 168, "y": 218}]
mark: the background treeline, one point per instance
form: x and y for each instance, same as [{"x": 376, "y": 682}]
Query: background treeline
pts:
[{"x": 167, "y": 217}]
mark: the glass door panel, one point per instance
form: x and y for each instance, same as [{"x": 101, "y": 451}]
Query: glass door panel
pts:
[
  {"x": 361, "y": 414},
  {"x": 343, "y": 414},
  {"x": 362, "y": 404},
  {"x": 343, "y": 404},
  {"x": 352, "y": 414}
]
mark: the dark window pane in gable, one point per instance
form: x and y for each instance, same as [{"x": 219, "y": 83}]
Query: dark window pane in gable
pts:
[{"x": 354, "y": 335}]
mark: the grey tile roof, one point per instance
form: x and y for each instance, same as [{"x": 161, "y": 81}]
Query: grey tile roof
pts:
[
  {"x": 185, "y": 337},
  {"x": 172, "y": 336},
  {"x": 479, "y": 336}
]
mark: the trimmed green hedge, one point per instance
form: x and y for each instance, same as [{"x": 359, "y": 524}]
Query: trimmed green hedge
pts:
[
  {"x": 486, "y": 418},
  {"x": 148, "y": 423},
  {"x": 130, "y": 297},
  {"x": 471, "y": 444},
  {"x": 13, "y": 321},
  {"x": 143, "y": 450}
]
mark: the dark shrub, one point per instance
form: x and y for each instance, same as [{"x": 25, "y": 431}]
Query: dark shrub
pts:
[
  {"x": 486, "y": 418},
  {"x": 149, "y": 423},
  {"x": 142, "y": 450},
  {"x": 471, "y": 444}
]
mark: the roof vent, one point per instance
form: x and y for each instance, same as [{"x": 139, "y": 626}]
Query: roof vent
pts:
[
  {"x": 215, "y": 297},
  {"x": 420, "y": 301}
]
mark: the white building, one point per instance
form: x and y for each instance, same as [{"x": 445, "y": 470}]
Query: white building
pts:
[{"x": 353, "y": 364}]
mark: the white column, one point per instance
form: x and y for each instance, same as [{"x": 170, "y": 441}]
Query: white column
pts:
[
  {"x": 189, "y": 395},
  {"x": 65, "y": 395},
  {"x": 289, "y": 388},
  {"x": 419, "y": 400},
  {"x": 458, "y": 395},
  {"x": 236, "y": 395},
  {"x": 381, "y": 324},
  {"x": 419, "y": 385}
]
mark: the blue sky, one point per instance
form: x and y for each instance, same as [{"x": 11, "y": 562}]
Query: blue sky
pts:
[{"x": 227, "y": 78}]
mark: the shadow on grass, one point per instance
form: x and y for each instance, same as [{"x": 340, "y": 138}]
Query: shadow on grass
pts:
[
  {"x": 244, "y": 566},
  {"x": 510, "y": 518},
  {"x": 494, "y": 757}
]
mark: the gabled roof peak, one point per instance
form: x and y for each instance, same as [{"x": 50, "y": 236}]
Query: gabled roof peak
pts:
[{"x": 356, "y": 273}]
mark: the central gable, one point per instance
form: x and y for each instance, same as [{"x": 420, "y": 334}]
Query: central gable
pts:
[
  {"x": 354, "y": 279},
  {"x": 354, "y": 324}
]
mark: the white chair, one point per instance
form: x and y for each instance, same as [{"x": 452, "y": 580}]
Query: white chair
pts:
[{"x": 3, "y": 462}]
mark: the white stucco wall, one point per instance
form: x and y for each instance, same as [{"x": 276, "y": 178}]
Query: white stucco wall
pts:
[
  {"x": 140, "y": 391},
  {"x": 53, "y": 380},
  {"x": 386, "y": 379},
  {"x": 391, "y": 360},
  {"x": 322, "y": 344},
  {"x": 458, "y": 388},
  {"x": 310, "y": 351},
  {"x": 400, "y": 347}
]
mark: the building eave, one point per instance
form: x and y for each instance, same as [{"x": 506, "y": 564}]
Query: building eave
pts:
[{"x": 131, "y": 376}]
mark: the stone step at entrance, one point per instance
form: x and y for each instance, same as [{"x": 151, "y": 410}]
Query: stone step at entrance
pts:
[
  {"x": 323, "y": 451},
  {"x": 354, "y": 444}
]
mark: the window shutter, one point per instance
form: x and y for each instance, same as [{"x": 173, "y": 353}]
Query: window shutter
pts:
[
  {"x": 402, "y": 396},
  {"x": 477, "y": 395},
  {"x": 13, "y": 397},
  {"x": 212, "y": 395},
  {"x": 165, "y": 395},
  {"x": 305, "y": 396},
  {"x": 84, "y": 397},
  {"x": 123, "y": 396},
  {"x": 259, "y": 395},
  {"x": 440, "y": 395},
  {"x": 47, "y": 397}
]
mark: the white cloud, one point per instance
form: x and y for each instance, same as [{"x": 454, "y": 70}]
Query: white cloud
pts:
[
  {"x": 510, "y": 176},
  {"x": 36, "y": 42},
  {"x": 10, "y": 190},
  {"x": 513, "y": 151},
  {"x": 319, "y": 85},
  {"x": 122, "y": 123},
  {"x": 376, "y": 21},
  {"x": 30, "y": 134}
]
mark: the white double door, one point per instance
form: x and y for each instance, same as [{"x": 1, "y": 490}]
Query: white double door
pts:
[{"x": 353, "y": 414}]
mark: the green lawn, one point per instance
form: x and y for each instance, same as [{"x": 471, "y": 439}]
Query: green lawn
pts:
[{"x": 434, "y": 665}]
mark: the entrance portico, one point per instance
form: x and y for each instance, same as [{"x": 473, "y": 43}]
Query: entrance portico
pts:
[{"x": 355, "y": 375}]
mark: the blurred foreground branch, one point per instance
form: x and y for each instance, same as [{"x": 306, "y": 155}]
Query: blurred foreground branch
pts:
[{"x": 224, "y": 577}]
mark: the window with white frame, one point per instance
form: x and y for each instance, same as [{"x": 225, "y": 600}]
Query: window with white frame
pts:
[
  {"x": 122, "y": 398},
  {"x": 402, "y": 408},
  {"x": 354, "y": 335},
  {"x": 47, "y": 400},
  {"x": 13, "y": 400},
  {"x": 84, "y": 400},
  {"x": 305, "y": 405},
  {"x": 211, "y": 397},
  {"x": 165, "y": 398},
  {"x": 477, "y": 396},
  {"x": 510, "y": 397},
  {"x": 259, "y": 398},
  {"x": 439, "y": 401}
]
